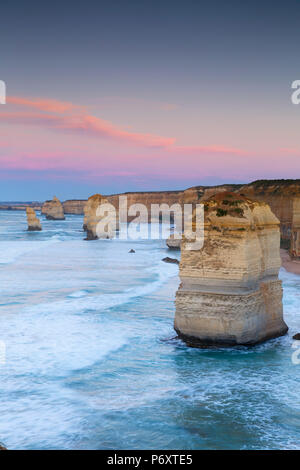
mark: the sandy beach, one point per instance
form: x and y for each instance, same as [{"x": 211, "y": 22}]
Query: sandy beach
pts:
[{"x": 292, "y": 266}]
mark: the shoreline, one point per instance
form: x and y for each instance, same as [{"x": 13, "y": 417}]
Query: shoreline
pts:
[{"x": 292, "y": 266}]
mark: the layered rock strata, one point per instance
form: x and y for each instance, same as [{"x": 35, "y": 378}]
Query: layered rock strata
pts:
[
  {"x": 295, "y": 230},
  {"x": 74, "y": 206},
  {"x": 33, "y": 222},
  {"x": 94, "y": 218},
  {"x": 283, "y": 197},
  {"x": 53, "y": 210},
  {"x": 230, "y": 293}
]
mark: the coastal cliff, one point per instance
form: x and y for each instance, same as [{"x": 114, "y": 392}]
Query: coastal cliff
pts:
[
  {"x": 92, "y": 218},
  {"x": 283, "y": 197},
  {"x": 19, "y": 206},
  {"x": 74, "y": 206},
  {"x": 33, "y": 222},
  {"x": 229, "y": 292},
  {"x": 295, "y": 236},
  {"x": 53, "y": 210},
  {"x": 198, "y": 194},
  {"x": 147, "y": 199}
]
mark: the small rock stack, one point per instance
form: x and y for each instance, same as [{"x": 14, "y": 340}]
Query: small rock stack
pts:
[{"x": 33, "y": 222}]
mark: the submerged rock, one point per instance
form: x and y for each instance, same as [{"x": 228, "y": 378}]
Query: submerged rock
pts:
[
  {"x": 131, "y": 251},
  {"x": 230, "y": 293},
  {"x": 297, "y": 336},
  {"x": 170, "y": 260},
  {"x": 53, "y": 210},
  {"x": 33, "y": 222},
  {"x": 2, "y": 446}
]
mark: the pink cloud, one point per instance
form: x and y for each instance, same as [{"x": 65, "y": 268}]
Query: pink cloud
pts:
[
  {"x": 290, "y": 151},
  {"x": 72, "y": 118},
  {"x": 77, "y": 120},
  {"x": 216, "y": 149},
  {"x": 52, "y": 106}
]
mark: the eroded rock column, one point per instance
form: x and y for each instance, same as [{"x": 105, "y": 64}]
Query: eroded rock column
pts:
[
  {"x": 53, "y": 210},
  {"x": 93, "y": 216},
  {"x": 230, "y": 293},
  {"x": 33, "y": 222}
]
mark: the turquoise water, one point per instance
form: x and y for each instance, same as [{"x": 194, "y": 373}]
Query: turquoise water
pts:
[{"x": 91, "y": 362}]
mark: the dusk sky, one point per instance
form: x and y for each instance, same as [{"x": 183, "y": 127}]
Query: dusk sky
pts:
[{"x": 146, "y": 95}]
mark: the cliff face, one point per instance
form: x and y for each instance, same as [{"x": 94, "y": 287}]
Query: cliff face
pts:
[
  {"x": 198, "y": 194},
  {"x": 230, "y": 293},
  {"x": 148, "y": 198},
  {"x": 15, "y": 206},
  {"x": 295, "y": 236},
  {"x": 33, "y": 222},
  {"x": 74, "y": 206},
  {"x": 282, "y": 196},
  {"x": 92, "y": 218},
  {"x": 53, "y": 210}
]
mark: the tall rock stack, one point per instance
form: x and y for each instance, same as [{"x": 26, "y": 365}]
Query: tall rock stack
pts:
[
  {"x": 33, "y": 222},
  {"x": 92, "y": 218},
  {"x": 53, "y": 210},
  {"x": 229, "y": 292}
]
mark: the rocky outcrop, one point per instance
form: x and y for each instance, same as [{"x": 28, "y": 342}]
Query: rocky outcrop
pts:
[
  {"x": 229, "y": 292},
  {"x": 170, "y": 260},
  {"x": 92, "y": 218},
  {"x": 33, "y": 222},
  {"x": 173, "y": 243},
  {"x": 74, "y": 206},
  {"x": 53, "y": 210}
]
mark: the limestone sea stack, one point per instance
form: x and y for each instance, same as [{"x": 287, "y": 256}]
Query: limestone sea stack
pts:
[
  {"x": 33, "y": 222},
  {"x": 92, "y": 218},
  {"x": 230, "y": 293},
  {"x": 53, "y": 210}
]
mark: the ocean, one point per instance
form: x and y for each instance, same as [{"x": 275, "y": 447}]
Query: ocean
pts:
[{"x": 92, "y": 361}]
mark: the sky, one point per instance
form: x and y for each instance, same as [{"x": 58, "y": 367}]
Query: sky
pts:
[{"x": 146, "y": 95}]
